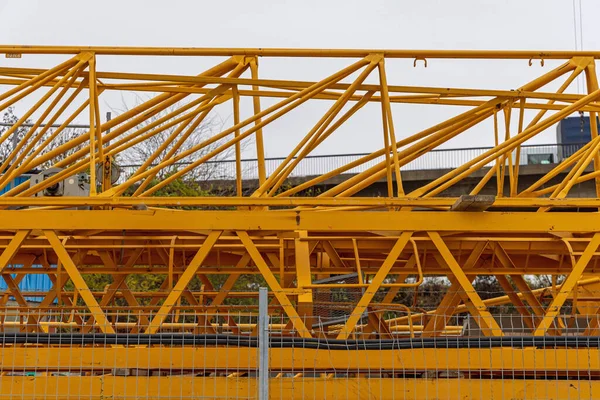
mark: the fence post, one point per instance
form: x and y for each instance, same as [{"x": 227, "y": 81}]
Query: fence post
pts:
[{"x": 263, "y": 344}]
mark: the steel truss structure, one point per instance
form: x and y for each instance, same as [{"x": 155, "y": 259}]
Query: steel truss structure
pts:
[{"x": 300, "y": 245}]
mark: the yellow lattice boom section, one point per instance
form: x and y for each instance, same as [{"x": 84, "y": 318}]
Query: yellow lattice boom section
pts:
[{"x": 154, "y": 295}]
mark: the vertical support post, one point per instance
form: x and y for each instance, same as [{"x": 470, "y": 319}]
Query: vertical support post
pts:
[
  {"x": 304, "y": 277},
  {"x": 263, "y": 344},
  {"x": 386, "y": 145},
  {"x": 507, "y": 114},
  {"x": 95, "y": 133},
  {"x": 260, "y": 149},
  {"x": 171, "y": 262},
  {"x": 281, "y": 262},
  {"x": 388, "y": 126},
  {"x": 357, "y": 260},
  {"x": 278, "y": 292},
  {"x": 515, "y": 183},
  {"x": 592, "y": 85},
  {"x": 238, "y": 148},
  {"x": 499, "y": 183}
]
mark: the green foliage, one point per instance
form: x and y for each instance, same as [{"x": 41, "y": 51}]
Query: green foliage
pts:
[
  {"x": 179, "y": 187},
  {"x": 144, "y": 282},
  {"x": 309, "y": 192}
]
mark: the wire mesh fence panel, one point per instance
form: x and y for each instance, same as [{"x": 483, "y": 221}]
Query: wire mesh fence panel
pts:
[
  {"x": 64, "y": 355},
  {"x": 457, "y": 362},
  {"x": 337, "y": 347}
]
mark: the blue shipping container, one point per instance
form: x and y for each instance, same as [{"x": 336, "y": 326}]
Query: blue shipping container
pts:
[
  {"x": 31, "y": 282},
  {"x": 16, "y": 182}
]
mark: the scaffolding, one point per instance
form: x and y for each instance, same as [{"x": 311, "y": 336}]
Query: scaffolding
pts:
[{"x": 176, "y": 315}]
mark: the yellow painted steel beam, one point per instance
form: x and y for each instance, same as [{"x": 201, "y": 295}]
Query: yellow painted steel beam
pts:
[
  {"x": 296, "y": 319},
  {"x": 286, "y": 85},
  {"x": 79, "y": 283},
  {"x": 303, "y": 276},
  {"x": 358, "y": 203},
  {"x": 12, "y": 248},
  {"x": 294, "y": 84},
  {"x": 434, "y": 98},
  {"x": 99, "y": 387},
  {"x": 334, "y": 221},
  {"x": 505, "y": 359},
  {"x": 279, "y": 52},
  {"x": 367, "y": 202},
  {"x": 527, "y": 90},
  {"x": 451, "y": 300},
  {"x": 592, "y": 85},
  {"x": 260, "y": 146}
]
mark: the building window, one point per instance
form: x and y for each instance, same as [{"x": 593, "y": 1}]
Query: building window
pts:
[{"x": 540, "y": 158}]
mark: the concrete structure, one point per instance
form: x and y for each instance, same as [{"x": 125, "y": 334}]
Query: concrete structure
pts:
[{"x": 413, "y": 179}]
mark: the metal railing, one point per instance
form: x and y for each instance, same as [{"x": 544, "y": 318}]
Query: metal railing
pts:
[{"x": 321, "y": 164}]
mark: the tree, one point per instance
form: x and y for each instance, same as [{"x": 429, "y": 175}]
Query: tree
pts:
[
  {"x": 6, "y": 147},
  {"x": 221, "y": 166},
  {"x": 63, "y": 137},
  {"x": 47, "y": 140}
]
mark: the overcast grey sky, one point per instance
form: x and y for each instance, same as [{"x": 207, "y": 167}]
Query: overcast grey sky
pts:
[{"x": 423, "y": 24}]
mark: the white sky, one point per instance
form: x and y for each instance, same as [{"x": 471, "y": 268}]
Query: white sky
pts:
[{"x": 422, "y": 24}]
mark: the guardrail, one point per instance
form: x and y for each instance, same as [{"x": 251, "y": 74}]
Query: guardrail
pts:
[{"x": 321, "y": 164}]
